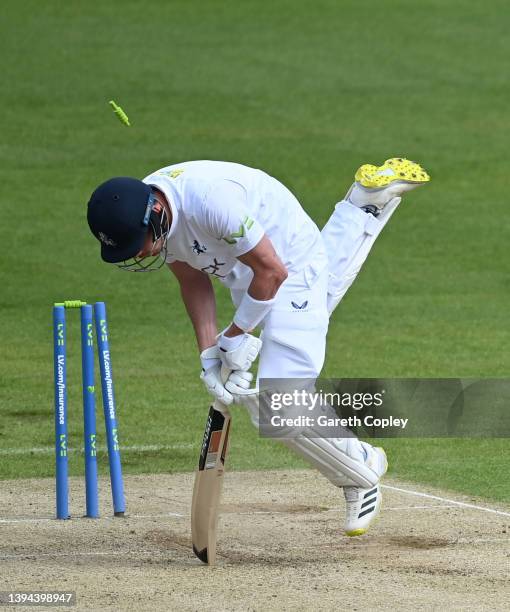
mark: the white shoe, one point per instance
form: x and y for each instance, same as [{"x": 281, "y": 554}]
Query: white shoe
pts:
[
  {"x": 376, "y": 186},
  {"x": 362, "y": 505}
]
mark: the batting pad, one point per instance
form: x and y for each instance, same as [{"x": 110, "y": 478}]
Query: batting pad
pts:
[{"x": 341, "y": 460}]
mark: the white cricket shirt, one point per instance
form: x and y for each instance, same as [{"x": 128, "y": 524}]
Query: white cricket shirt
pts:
[{"x": 221, "y": 210}]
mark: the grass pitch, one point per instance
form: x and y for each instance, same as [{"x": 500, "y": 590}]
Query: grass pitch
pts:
[{"x": 307, "y": 94}]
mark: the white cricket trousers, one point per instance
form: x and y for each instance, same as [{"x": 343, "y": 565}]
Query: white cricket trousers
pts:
[{"x": 294, "y": 332}]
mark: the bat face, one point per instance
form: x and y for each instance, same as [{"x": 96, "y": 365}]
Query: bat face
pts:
[{"x": 209, "y": 484}]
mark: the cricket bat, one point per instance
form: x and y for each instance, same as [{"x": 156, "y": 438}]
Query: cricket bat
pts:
[{"x": 209, "y": 483}]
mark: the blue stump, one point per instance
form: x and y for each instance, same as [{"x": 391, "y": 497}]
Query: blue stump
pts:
[
  {"x": 112, "y": 436},
  {"x": 89, "y": 411},
  {"x": 59, "y": 361}
]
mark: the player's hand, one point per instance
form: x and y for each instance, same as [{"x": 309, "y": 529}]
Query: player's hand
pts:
[
  {"x": 211, "y": 375},
  {"x": 238, "y": 352}
]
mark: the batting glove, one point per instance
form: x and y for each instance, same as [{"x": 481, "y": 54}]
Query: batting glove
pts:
[
  {"x": 240, "y": 352},
  {"x": 211, "y": 375}
]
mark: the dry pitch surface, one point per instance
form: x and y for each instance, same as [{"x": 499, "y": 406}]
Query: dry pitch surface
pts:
[{"x": 280, "y": 548}]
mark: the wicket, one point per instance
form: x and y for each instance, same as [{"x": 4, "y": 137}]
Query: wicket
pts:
[{"x": 89, "y": 408}]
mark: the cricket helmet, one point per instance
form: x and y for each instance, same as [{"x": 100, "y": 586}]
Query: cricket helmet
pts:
[{"x": 119, "y": 215}]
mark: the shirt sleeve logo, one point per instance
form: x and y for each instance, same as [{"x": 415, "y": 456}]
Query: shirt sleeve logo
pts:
[{"x": 246, "y": 225}]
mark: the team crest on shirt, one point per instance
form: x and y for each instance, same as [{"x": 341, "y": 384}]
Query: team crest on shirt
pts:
[{"x": 197, "y": 248}]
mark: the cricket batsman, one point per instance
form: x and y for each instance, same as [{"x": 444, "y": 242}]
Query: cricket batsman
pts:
[{"x": 208, "y": 219}]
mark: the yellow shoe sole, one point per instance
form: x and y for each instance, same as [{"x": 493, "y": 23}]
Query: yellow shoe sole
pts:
[
  {"x": 404, "y": 170},
  {"x": 355, "y": 532}
]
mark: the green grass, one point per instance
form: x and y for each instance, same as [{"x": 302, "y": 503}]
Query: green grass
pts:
[{"x": 306, "y": 92}]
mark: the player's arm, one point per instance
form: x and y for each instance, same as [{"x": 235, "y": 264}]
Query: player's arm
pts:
[
  {"x": 198, "y": 296},
  {"x": 227, "y": 217},
  {"x": 238, "y": 348},
  {"x": 269, "y": 273}
]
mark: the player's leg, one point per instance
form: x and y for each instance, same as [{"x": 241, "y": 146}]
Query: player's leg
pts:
[
  {"x": 294, "y": 340},
  {"x": 360, "y": 217}
]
